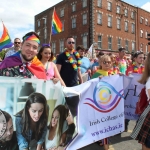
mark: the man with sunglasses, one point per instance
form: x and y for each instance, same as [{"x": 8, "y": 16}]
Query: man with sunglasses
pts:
[
  {"x": 17, "y": 46},
  {"x": 68, "y": 64}
]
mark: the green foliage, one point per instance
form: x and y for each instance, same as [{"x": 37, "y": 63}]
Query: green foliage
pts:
[{"x": 2, "y": 54}]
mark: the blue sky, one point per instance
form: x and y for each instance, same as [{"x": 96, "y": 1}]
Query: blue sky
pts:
[
  {"x": 138, "y": 3},
  {"x": 18, "y": 15}
]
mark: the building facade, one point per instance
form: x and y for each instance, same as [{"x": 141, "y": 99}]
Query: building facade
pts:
[{"x": 108, "y": 24}]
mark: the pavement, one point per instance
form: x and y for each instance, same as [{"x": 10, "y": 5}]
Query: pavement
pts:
[{"x": 121, "y": 141}]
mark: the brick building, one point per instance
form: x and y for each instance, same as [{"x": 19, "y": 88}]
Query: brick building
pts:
[{"x": 108, "y": 24}]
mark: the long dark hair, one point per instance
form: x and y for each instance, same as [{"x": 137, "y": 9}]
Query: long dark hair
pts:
[
  {"x": 63, "y": 112},
  {"x": 34, "y": 98},
  {"x": 39, "y": 56}
]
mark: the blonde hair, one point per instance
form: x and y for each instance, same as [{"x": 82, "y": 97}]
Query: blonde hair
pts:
[
  {"x": 102, "y": 59},
  {"x": 146, "y": 72}
]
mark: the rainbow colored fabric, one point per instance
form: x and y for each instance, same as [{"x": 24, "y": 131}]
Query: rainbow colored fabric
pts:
[
  {"x": 5, "y": 41},
  {"x": 56, "y": 24},
  {"x": 36, "y": 67},
  {"x": 33, "y": 38}
]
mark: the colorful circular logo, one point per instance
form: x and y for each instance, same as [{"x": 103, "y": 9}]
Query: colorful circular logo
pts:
[{"x": 105, "y": 97}]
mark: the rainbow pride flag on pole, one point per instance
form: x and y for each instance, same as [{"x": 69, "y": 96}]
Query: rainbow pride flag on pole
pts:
[
  {"x": 5, "y": 41},
  {"x": 56, "y": 24}
]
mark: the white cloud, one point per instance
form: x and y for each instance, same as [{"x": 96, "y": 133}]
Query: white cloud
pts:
[
  {"x": 18, "y": 15},
  {"x": 146, "y": 6}
]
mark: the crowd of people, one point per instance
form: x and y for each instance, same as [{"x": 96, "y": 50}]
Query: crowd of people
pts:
[{"x": 33, "y": 131}]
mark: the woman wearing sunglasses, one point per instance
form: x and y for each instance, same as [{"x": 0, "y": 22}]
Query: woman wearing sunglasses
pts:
[{"x": 45, "y": 55}]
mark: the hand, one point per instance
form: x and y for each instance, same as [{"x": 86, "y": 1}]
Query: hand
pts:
[
  {"x": 130, "y": 72},
  {"x": 54, "y": 148},
  {"x": 121, "y": 74},
  {"x": 55, "y": 80},
  {"x": 101, "y": 76}
]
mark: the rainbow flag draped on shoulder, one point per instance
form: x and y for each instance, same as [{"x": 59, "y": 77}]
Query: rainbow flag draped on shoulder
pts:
[
  {"x": 56, "y": 24},
  {"x": 5, "y": 41}
]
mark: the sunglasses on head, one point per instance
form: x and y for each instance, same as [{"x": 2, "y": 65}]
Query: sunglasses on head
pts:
[
  {"x": 17, "y": 42},
  {"x": 71, "y": 42},
  {"x": 106, "y": 62}
]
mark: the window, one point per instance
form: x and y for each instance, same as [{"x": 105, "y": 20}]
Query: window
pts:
[
  {"x": 118, "y": 23},
  {"x": 99, "y": 18},
  {"x": 119, "y": 43},
  {"x": 84, "y": 41},
  {"x": 141, "y": 33},
  {"x": 146, "y": 50},
  {"x": 45, "y": 21},
  {"x": 126, "y": 26},
  {"x": 127, "y": 45},
  {"x": 109, "y": 6},
  {"x": 99, "y": 3},
  {"x": 54, "y": 47},
  {"x": 141, "y": 47},
  {"x": 118, "y": 9},
  {"x": 84, "y": 3},
  {"x": 99, "y": 41},
  {"x": 73, "y": 7},
  {"x": 141, "y": 20},
  {"x": 84, "y": 17},
  {"x": 73, "y": 22},
  {"x": 45, "y": 33},
  {"x": 133, "y": 46},
  {"x": 132, "y": 15},
  {"x": 109, "y": 21},
  {"x": 146, "y": 22},
  {"x": 109, "y": 43},
  {"x": 61, "y": 45},
  {"x": 61, "y": 12},
  {"x": 146, "y": 34},
  {"x": 126, "y": 12},
  {"x": 38, "y": 23},
  {"x": 132, "y": 28},
  {"x": 75, "y": 43},
  {"x": 63, "y": 23}
]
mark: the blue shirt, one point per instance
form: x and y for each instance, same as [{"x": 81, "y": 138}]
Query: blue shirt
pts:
[
  {"x": 85, "y": 64},
  {"x": 22, "y": 141}
]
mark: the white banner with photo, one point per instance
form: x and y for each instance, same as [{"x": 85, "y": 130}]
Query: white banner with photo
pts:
[
  {"x": 14, "y": 92},
  {"x": 131, "y": 95},
  {"x": 100, "y": 110}
]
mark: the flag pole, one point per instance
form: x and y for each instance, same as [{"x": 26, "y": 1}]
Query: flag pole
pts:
[{"x": 51, "y": 26}]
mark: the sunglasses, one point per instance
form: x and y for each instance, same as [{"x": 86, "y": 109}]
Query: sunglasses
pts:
[
  {"x": 106, "y": 62},
  {"x": 17, "y": 42},
  {"x": 71, "y": 42}
]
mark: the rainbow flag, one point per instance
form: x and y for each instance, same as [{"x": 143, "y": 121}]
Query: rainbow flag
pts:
[
  {"x": 56, "y": 24},
  {"x": 5, "y": 41}
]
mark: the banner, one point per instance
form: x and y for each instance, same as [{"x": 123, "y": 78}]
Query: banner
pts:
[
  {"x": 131, "y": 97},
  {"x": 100, "y": 110}
]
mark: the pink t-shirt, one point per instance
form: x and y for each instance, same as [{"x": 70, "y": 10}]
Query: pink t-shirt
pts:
[{"x": 50, "y": 71}]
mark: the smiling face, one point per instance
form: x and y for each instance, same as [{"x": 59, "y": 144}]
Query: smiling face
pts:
[
  {"x": 29, "y": 49},
  {"x": 35, "y": 111},
  {"x": 9, "y": 132},
  {"x": 46, "y": 54},
  {"x": 106, "y": 63},
  {"x": 55, "y": 118}
]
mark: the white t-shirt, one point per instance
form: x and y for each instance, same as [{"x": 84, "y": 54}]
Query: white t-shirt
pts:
[
  {"x": 147, "y": 87},
  {"x": 50, "y": 143}
]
